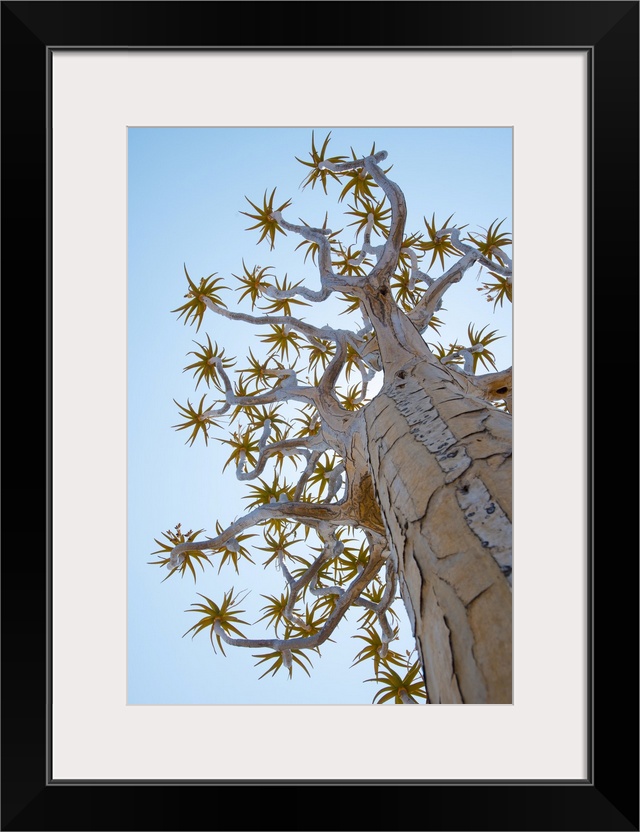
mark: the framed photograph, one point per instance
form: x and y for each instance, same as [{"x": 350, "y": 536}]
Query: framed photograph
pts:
[{"x": 124, "y": 123}]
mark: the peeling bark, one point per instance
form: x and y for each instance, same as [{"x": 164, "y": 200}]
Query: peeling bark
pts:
[{"x": 440, "y": 461}]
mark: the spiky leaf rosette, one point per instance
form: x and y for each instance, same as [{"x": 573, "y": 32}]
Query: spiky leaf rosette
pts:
[
  {"x": 441, "y": 352},
  {"x": 400, "y": 688},
  {"x": 278, "y": 661},
  {"x": 205, "y": 368},
  {"x": 313, "y": 621},
  {"x": 272, "y": 492},
  {"x": 317, "y": 174},
  {"x": 188, "y": 558},
  {"x": 321, "y": 474},
  {"x": 497, "y": 291},
  {"x": 360, "y": 184},
  {"x": 278, "y": 424},
  {"x": 492, "y": 239},
  {"x": 374, "y": 593},
  {"x": 440, "y": 246},
  {"x": 226, "y": 615},
  {"x": 265, "y": 221},
  {"x": 320, "y": 353},
  {"x": 485, "y": 356},
  {"x": 282, "y": 338},
  {"x": 195, "y": 307},
  {"x": 353, "y": 303},
  {"x": 374, "y": 649},
  {"x": 352, "y": 562},
  {"x": 241, "y": 389},
  {"x": 309, "y": 420},
  {"x": 405, "y": 293},
  {"x": 312, "y": 247},
  {"x": 253, "y": 282},
  {"x": 349, "y": 262},
  {"x": 279, "y": 539},
  {"x": 274, "y": 611},
  {"x": 234, "y": 550},
  {"x": 379, "y": 213},
  {"x": 283, "y": 306},
  {"x": 244, "y": 443},
  {"x": 258, "y": 372},
  {"x": 410, "y": 241},
  {"x": 353, "y": 398},
  {"x": 196, "y": 420}
]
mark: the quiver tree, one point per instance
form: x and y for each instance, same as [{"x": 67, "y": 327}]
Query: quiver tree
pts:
[{"x": 387, "y": 455}]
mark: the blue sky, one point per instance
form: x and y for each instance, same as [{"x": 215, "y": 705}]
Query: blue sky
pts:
[{"x": 186, "y": 189}]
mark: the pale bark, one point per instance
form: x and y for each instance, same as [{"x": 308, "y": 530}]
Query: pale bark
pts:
[{"x": 441, "y": 467}]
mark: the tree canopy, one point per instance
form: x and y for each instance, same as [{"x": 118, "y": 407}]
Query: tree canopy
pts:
[{"x": 289, "y": 412}]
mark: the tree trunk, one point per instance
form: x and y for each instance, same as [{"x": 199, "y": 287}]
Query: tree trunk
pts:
[{"x": 440, "y": 460}]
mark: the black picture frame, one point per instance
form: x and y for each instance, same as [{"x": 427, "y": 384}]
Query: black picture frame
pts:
[{"x": 608, "y": 798}]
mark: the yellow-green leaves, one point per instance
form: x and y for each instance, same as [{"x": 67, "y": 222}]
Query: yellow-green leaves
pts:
[
  {"x": 322, "y": 472},
  {"x": 353, "y": 303},
  {"x": 204, "y": 368},
  {"x": 316, "y": 174},
  {"x": 349, "y": 262},
  {"x": 253, "y": 282},
  {"x": 360, "y": 184},
  {"x": 279, "y": 543},
  {"x": 257, "y": 373},
  {"x": 226, "y": 615},
  {"x": 276, "y": 657},
  {"x": 195, "y": 420},
  {"x": 274, "y": 611},
  {"x": 478, "y": 336},
  {"x": 352, "y": 399},
  {"x": 194, "y": 308},
  {"x": 312, "y": 247},
  {"x": 498, "y": 290},
  {"x": 440, "y": 352},
  {"x": 283, "y": 306},
  {"x": 265, "y": 221},
  {"x": 310, "y": 421},
  {"x": 259, "y": 415},
  {"x": 373, "y": 646},
  {"x": 440, "y": 246},
  {"x": 282, "y": 338},
  {"x": 173, "y": 538},
  {"x": 243, "y": 443},
  {"x": 352, "y": 562},
  {"x": 320, "y": 352},
  {"x": 435, "y": 323},
  {"x": 492, "y": 240},
  {"x": 234, "y": 549},
  {"x": 379, "y": 213},
  {"x": 273, "y": 492},
  {"x": 400, "y": 688},
  {"x": 375, "y": 593},
  {"x": 313, "y": 621},
  {"x": 406, "y": 295}
]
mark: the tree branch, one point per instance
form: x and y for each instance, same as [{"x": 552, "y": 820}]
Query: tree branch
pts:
[
  {"x": 342, "y": 604},
  {"x": 286, "y": 447},
  {"x": 309, "y": 514},
  {"x": 309, "y": 330},
  {"x": 329, "y": 280}
]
